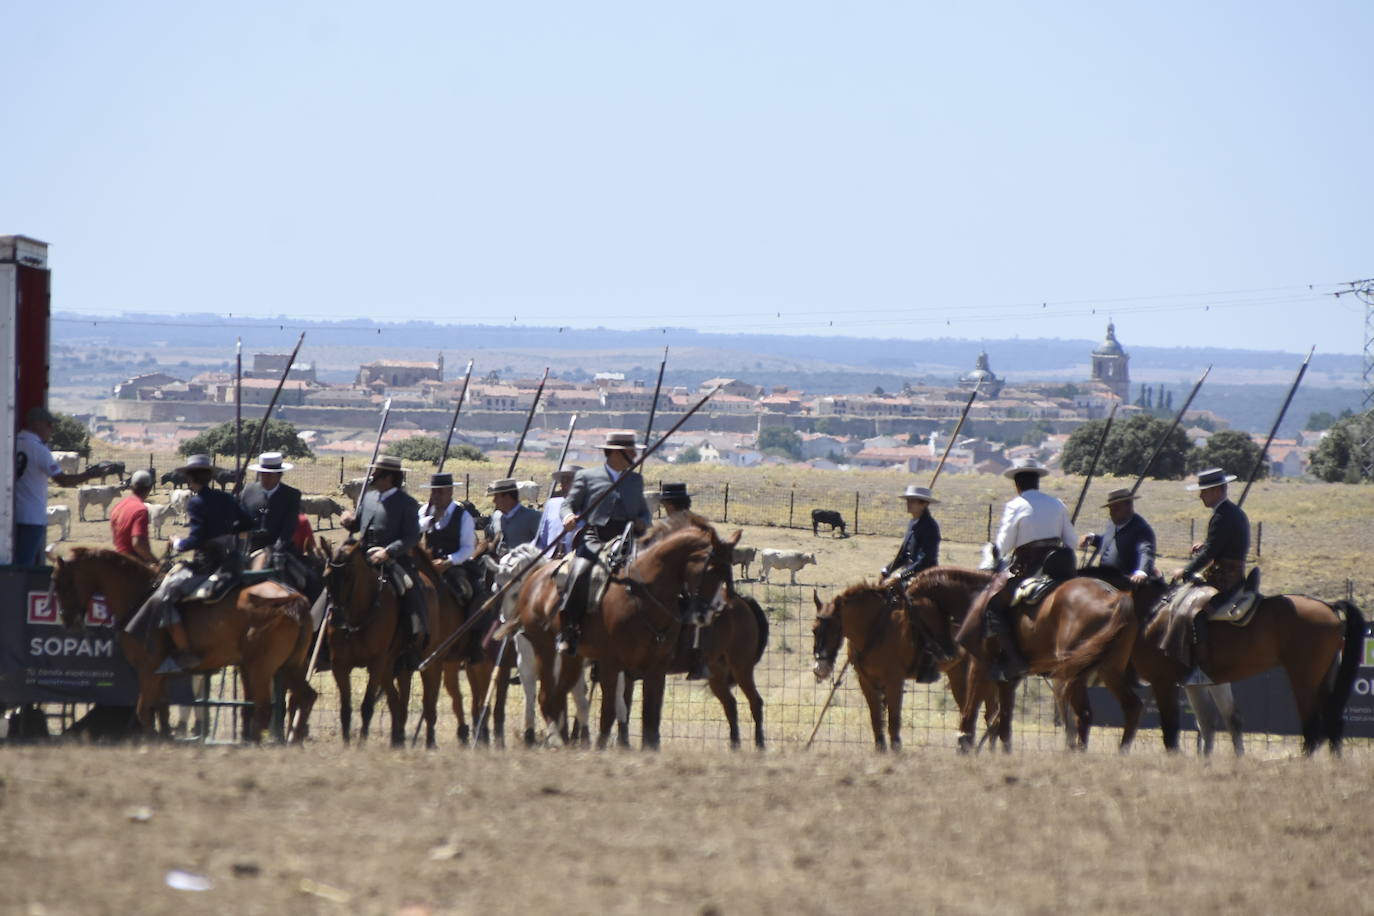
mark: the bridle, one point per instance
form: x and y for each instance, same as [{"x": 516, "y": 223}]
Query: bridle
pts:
[{"x": 340, "y": 584}]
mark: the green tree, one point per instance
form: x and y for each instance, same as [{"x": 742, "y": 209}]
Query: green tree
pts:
[
  {"x": 825, "y": 425},
  {"x": 1128, "y": 448},
  {"x": 68, "y": 435},
  {"x": 780, "y": 440},
  {"x": 281, "y": 436},
  {"x": 420, "y": 449},
  {"x": 1036, "y": 432},
  {"x": 465, "y": 452},
  {"x": 1320, "y": 420},
  {"x": 1344, "y": 451},
  {"x": 689, "y": 455},
  {"x": 1232, "y": 451}
]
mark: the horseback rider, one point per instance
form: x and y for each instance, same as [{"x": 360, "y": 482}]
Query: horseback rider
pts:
[
  {"x": 276, "y": 509},
  {"x": 389, "y": 522},
  {"x": 1032, "y": 538},
  {"x": 1220, "y": 559},
  {"x": 551, "y": 520},
  {"x": 1128, "y": 544},
  {"x": 449, "y": 533},
  {"x": 674, "y": 498},
  {"x": 920, "y": 549},
  {"x": 512, "y": 524},
  {"x": 215, "y": 517},
  {"x": 625, "y": 507}
]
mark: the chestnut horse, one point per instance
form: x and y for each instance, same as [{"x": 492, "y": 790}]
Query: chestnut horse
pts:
[
  {"x": 883, "y": 650},
  {"x": 465, "y": 653},
  {"x": 263, "y": 629},
  {"x": 637, "y": 627},
  {"x": 1083, "y": 631},
  {"x": 363, "y": 633},
  {"x": 1317, "y": 644}
]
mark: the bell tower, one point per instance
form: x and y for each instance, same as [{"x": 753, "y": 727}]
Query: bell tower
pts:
[{"x": 1111, "y": 365}]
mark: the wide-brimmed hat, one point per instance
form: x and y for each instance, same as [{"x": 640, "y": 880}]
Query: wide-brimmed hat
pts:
[
  {"x": 198, "y": 463},
  {"x": 438, "y": 481},
  {"x": 1025, "y": 466},
  {"x": 271, "y": 463},
  {"x": 673, "y": 491},
  {"x": 1120, "y": 495},
  {"x": 390, "y": 463},
  {"x": 1212, "y": 477},
  {"x": 561, "y": 473},
  {"x": 621, "y": 438},
  {"x": 921, "y": 493},
  {"x": 504, "y": 485}
]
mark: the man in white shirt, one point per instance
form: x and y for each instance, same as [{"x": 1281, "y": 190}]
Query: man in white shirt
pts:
[
  {"x": 34, "y": 466},
  {"x": 1035, "y": 535},
  {"x": 551, "y": 521},
  {"x": 450, "y": 535}
]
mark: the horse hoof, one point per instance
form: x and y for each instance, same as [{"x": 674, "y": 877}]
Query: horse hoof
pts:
[
  {"x": 463, "y": 733},
  {"x": 529, "y": 737}
]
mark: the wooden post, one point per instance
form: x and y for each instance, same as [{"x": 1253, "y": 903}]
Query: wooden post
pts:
[
  {"x": 989, "y": 534},
  {"x": 791, "y": 504},
  {"x": 467, "y": 487},
  {"x": 341, "y": 470},
  {"x": 725, "y": 515},
  {"x": 1259, "y": 539},
  {"x": 1192, "y": 528},
  {"x": 856, "y": 511},
  {"x": 152, "y": 470}
]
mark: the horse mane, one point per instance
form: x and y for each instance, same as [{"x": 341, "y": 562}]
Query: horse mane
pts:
[
  {"x": 677, "y": 522},
  {"x": 950, "y": 577},
  {"x": 125, "y": 562},
  {"x": 855, "y": 590}
]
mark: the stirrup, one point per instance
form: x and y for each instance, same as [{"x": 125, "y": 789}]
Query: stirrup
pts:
[
  {"x": 1197, "y": 678},
  {"x": 178, "y": 663}
]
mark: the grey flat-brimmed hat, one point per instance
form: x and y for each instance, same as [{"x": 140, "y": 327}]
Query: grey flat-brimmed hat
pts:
[
  {"x": 271, "y": 463},
  {"x": 1212, "y": 477},
  {"x": 388, "y": 463},
  {"x": 504, "y": 485},
  {"x": 921, "y": 493},
  {"x": 1120, "y": 495},
  {"x": 621, "y": 438},
  {"x": 198, "y": 463},
  {"x": 563, "y": 473},
  {"x": 1025, "y": 466},
  {"x": 438, "y": 481}
]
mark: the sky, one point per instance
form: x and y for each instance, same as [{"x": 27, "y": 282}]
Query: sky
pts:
[{"x": 1197, "y": 172}]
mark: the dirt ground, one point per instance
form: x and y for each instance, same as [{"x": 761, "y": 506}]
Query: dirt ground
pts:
[{"x": 332, "y": 830}]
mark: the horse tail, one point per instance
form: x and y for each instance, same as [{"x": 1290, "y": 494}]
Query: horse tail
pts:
[
  {"x": 300, "y": 653},
  {"x": 1095, "y": 649},
  {"x": 1333, "y": 704},
  {"x": 761, "y": 620}
]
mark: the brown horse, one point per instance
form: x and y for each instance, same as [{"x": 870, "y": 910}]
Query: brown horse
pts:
[
  {"x": 363, "y": 633},
  {"x": 262, "y": 628},
  {"x": 1083, "y": 631},
  {"x": 883, "y": 650},
  {"x": 1317, "y": 644},
  {"x": 465, "y": 653},
  {"x": 640, "y": 620}
]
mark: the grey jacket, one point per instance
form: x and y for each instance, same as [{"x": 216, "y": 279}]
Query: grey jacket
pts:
[
  {"x": 511, "y": 529},
  {"x": 626, "y": 504},
  {"x": 393, "y": 523}
]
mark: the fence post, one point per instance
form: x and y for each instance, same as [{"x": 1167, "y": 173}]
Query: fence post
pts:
[
  {"x": 856, "y": 511},
  {"x": 791, "y": 504},
  {"x": 152, "y": 470},
  {"x": 725, "y": 515},
  {"x": 341, "y": 469},
  {"x": 1259, "y": 539},
  {"x": 1192, "y": 528},
  {"x": 467, "y": 486},
  {"x": 988, "y": 536}
]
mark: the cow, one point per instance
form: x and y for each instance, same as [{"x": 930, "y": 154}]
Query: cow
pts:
[
  {"x": 177, "y": 499},
  {"x": 96, "y": 495},
  {"x": 175, "y": 478},
  {"x": 324, "y": 508},
  {"x": 744, "y": 558},
  {"x": 653, "y": 501},
  {"x": 61, "y": 516},
  {"x": 790, "y": 560},
  {"x": 68, "y": 461},
  {"x": 827, "y": 517},
  {"x": 103, "y": 469},
  {"x": 353, "y": 489},
  {"x": 529, "y": 492},
  {"x": 226, "y": 476},
  {"x": 158, "y": 514}
]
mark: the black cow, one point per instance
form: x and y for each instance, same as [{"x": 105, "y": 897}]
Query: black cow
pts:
[
  {"x": 176, "y": 478},
  {"x": 827, "y": 517},
  {"x": 103, "y": 469},
  {"x": 226, "y": 476}
]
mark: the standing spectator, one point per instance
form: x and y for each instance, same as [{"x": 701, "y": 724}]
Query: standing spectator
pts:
[
  {"x": 129, "y": 519},
  {"x": 34, "y": 466}
]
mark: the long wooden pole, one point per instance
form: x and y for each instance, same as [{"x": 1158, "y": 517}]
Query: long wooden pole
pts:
[
  {"x": 453, "y": 424},
  {"x": 271, "y": 405},
  {"x": 587, "y": 512},
  {"x": 954, "y": 435},
  {"x": 653, "y": 406},
  {"x": 238, "y": 412},
  {"x": 1092, "y": 466},
  {"x": 1164, "y": 440},
  {"x": 529, "y": 418},
  {"x": 821, "y": 718},
  {"x": 1273, "y": 430}
]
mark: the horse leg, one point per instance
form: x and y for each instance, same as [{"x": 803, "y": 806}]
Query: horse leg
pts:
[
  {"x": 581, "y": 694},
  {"x": 455, "y": 695},
  {"x": 1229, "y": 715},
  {"x": 651, "y": 710},
  {"x": 303, "y": 698},
  {"x": 257, "y": 690},
  {"x": 874, "y": 698},
  {"x": 398, "y": 704},
  {"x": 479, "y": 680},
  {"x": 524, "y": 658},
  {"x": 1166, "y": 699},
  {"x": 1131, "y": 707},
  {"x": 1076, "y": 693},
  {"x": 893, "y": 698},
  {"x": 375, "y": 679},
  {"x": 624, "y": 699},
  {"x": 342, "y": 682},
  {"x": 744, "y": 676},
  {"x": 1006, "y": 705},
  {"x": 1205, "y": 714},
  {"x": 720, "y": 686},
  {"x": 968, "y": 709},
  {"x": 429, "y": 701},
  {"x": 608, "y": 677},
  {"x": 1309, "y": 688},
  {"x": 498, "y": 712}
]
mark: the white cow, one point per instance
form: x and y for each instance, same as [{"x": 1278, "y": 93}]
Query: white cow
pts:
[
  {"x": 158, "y": 514},
  {"x": 96, "y": 495},
  {"x": 529, "y": 492},
  {"x": 653, "y": 501},
  {"x": 68, "y": 461},
  {"x": 744, "y": 558},
  {"x": 61, "y": 516},
  {"x": 177, "y": 500},
  {"x": 353, "y": 489},
  {"x": 790, "y": 560}
]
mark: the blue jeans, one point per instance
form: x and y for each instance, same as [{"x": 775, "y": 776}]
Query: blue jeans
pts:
[{"x": 29, "y": 541}]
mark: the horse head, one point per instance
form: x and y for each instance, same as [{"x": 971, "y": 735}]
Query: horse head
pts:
[
  {"x": 346, "y": 569},
  {"x": 709, "y": 575},
  {"x": 826, "y": 636},
  {"x": 65, "y": 590}
]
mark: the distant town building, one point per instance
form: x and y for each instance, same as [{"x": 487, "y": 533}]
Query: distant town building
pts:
[
  {"x": 982, "y": 374},
  {"x": 271, "y": 365},
  {"x": 399, "y": 373},
  {"x": 1111, "y": 365},
  {"x": 141, "y": 387}
]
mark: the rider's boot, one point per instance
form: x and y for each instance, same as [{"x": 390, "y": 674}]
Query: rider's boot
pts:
[
  {"x": 574, "y": 607},
  {"x": 182, "y": 659},
  {"x": 1009, "y": 664},
  {"x": 1196, "y": 676}
]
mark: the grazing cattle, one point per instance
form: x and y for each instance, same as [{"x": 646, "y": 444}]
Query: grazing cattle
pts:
[
  {"x": 61, "y": 516},
  {"x": 96, "y": 495},
  {"x": 177, "y": 500},
  {"x": 324, "y": 508},
  {"x": 744, "y": 558},
  {"x": 353, "y": 489},
  {"x": 226, "y": 477},
  {"x": 790, "y": 560},
  {"x": 158, "y": 514},
  {"x": 103, "y": 469},
  {"x": 827, "y": 517},
  {"x": 68, "y": 461},
  {"x": 175, "y": 478}
]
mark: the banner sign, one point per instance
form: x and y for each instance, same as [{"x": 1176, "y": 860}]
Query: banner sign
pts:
[{"x": 41, "y": 661}]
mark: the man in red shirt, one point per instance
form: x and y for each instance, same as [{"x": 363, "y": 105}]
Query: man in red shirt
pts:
[{"x": 129, "y": 519}]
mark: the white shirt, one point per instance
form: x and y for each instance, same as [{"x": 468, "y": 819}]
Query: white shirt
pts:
[
  {"x": 34, "y": 464},
  {"x": 467, "y": 531},
  {"x": 1033, "y": 516}
]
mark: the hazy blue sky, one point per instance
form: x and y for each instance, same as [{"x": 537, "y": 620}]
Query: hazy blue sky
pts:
[{"x": 909, "y": 169}]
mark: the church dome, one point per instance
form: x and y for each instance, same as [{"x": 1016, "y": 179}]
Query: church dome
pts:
[{"x": 1110, "y": 346}]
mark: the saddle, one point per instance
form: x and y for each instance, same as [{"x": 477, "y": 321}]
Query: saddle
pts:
[
  {"x": 610, "y": 562},
  {"x": 1031, "y": 591}
]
